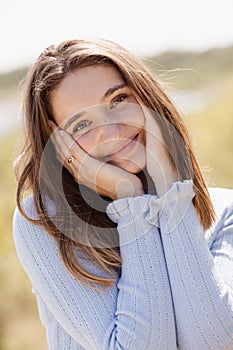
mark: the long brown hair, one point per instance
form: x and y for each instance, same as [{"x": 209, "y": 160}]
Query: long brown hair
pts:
[{"x": 44, "y": 76}]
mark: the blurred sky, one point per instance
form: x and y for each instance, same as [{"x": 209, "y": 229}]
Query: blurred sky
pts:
[{"x": 144, "y": 27}]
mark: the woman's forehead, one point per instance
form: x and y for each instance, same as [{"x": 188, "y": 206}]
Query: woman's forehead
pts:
[{"x": 84, "y": 88}]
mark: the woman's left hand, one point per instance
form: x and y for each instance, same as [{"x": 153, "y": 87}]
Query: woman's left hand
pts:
[{"x": 159, "y": 165}]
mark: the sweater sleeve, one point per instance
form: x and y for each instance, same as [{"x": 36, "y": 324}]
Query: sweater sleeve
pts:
[
  {"x": 136, "y": 313},
  {"x": 201, "y": 277}
]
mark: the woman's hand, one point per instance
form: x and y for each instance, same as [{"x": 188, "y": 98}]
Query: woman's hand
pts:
[
  {"x": 105, "y": 179},
  {"x": 159, "y": 165}
]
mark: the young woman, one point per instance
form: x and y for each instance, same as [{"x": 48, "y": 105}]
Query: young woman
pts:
[{"x": 119, "y": 236}]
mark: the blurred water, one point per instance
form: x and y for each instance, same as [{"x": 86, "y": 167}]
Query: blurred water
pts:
[{"x": 9, "y": 117}]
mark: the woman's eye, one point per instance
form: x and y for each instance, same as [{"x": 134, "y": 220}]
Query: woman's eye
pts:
[
  {"x": 80, "y": 126},
  {"x": 118, "y": 100}
]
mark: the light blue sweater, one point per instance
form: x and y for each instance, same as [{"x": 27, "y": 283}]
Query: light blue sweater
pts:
[{"x": 175, "y": 290}]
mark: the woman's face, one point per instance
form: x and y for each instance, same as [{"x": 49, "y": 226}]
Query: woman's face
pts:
[{"x": 95, "y": 105}]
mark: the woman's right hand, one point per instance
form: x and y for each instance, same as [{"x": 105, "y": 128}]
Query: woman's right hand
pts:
[{"x": 106, "y": 179}]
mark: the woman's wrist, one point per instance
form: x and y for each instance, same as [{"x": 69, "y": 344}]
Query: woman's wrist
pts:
[
  {"x": 126, "y": 188},
  {"x": 164, "y": 182}
]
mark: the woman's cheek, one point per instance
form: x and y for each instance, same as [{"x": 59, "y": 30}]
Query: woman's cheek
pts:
[
  {"x": 86, "y": 142},
  {"x": 137, "y": 116}
]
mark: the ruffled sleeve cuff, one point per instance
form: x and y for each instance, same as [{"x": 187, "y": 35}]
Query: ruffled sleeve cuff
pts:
[
  {"x": 149, "y": 206},
  {"x": 130, "y": 215},
  {"x": 173, "y": 205},
  {"x": 128, "y": 208}
]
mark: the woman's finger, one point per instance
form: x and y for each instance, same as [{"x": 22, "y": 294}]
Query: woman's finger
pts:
[
  {"x": 66, "y": 144},
  {"x": 58, "y": 144},
  {"x": 72, "y": 147}
]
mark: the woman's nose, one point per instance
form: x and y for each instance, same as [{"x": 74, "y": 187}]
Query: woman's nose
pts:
[
  {"x": 107, "y": 126},
  {"x": 108, "y": 131}
]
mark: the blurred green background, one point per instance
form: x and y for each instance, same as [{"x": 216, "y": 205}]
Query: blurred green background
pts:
[{"x": 201, "y": 86}]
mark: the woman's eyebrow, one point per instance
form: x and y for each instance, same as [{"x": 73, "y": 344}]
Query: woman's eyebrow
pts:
[
  {"x": 73, "y": 119},
  {"x": 108, "y": 93},
  {"x": 112, "y": 89}
]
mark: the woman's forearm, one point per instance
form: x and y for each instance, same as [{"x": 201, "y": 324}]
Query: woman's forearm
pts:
[
  {"x": 201, "y": 278},
  {"x": 145, "y": 318}
]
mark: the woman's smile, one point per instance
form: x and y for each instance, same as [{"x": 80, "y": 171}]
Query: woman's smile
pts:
[{"x": 126, "y": 147}]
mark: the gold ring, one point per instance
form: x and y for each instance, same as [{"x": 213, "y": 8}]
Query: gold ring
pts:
[{"x": 70, "y": 160}]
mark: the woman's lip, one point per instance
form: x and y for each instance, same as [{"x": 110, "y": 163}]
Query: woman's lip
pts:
[{"x": 121, "y": 150}]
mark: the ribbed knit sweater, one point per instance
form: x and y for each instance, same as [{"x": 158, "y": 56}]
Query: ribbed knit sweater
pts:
[{"x": 175, "y": 288}]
